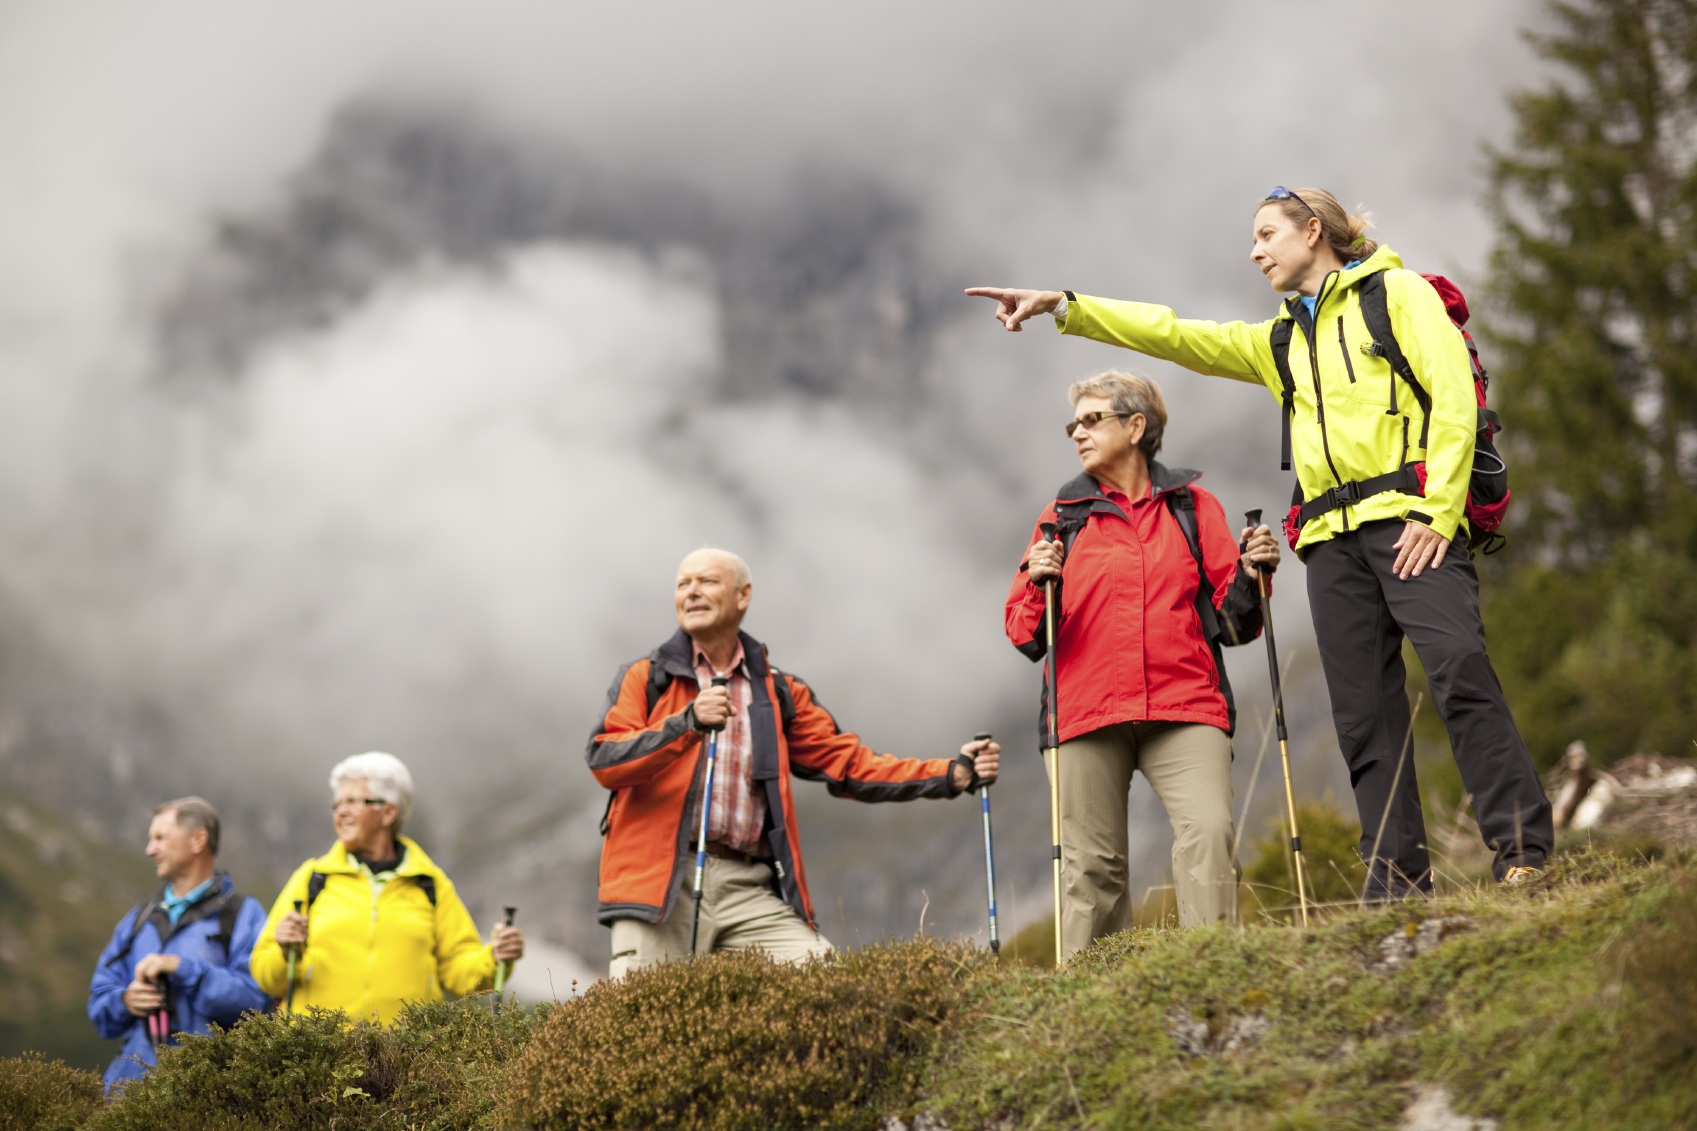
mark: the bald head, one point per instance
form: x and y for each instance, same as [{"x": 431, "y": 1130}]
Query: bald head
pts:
[{"x": 713, "y": 593}]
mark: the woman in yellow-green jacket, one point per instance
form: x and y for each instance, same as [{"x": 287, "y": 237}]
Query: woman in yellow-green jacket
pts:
[
  {"x": 382, "y": 923},
  {"x": 1383, "y": 465}
]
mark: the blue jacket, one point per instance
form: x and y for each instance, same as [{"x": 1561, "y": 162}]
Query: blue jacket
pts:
[{"x": 212, "y": 982}]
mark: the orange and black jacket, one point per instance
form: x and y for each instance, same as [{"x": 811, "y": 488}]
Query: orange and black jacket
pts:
[{"x": 647, "y": 750}]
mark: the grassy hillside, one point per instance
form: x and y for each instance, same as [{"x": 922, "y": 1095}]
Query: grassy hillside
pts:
[
  {"x": 1571, "y": 1002},
  {"x": 61, "y": 893}
]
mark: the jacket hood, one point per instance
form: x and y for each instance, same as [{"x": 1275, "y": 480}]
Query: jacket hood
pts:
[
  {"x": 1383, "y": 259},
  {"x": 1161, "y": 477},
  {"x": 414, "y": 862}
]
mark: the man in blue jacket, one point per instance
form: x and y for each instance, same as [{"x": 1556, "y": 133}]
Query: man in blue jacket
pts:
[{"x": 178, "y": 963}]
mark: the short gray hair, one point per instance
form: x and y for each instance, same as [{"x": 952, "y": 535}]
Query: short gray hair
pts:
[
  {"x": 386, "y": 778},
  {"x": 195, "y": 813},
  {"x": 1128, "y": 393}
]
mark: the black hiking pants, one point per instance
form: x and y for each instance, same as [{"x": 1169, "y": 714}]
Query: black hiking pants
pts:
[{"x": 1362, "y": 611}]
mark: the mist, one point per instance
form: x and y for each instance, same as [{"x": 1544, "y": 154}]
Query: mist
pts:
[{"x": 365, "y": 373}]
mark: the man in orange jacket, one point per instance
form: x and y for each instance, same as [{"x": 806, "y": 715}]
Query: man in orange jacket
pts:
[{"x": 650, "y": 748}]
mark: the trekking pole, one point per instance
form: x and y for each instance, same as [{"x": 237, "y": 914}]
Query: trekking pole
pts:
[
  {"x": 1253, "y": 518},
  {"x": 989, "y": 855},
  {"x": 504, "y": 970},
  {"x": 294, "y": 955},
  {"x": 706, "y": 807},
  {"x": 1052, "y": 755}
]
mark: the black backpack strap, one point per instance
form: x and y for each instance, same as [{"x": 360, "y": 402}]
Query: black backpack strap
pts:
[
  {"x": 1279, "y": 339},
  {"x": 658, "y": 680},
  {"x": 1182, "y": 504},
  {"x": 786, "y": 700},
  {"x": 314, "y": 888},
  {"x": 227, "y": 916},
  {"x": 143, "y": 913},
  {"x": 1376, "y": 313},
  {"x": 428, "y": 885}
]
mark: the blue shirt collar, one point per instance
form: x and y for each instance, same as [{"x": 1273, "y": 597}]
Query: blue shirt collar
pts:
[
  {"x": 1308, "y": 300},
  {"x": 175, "y": 904}
]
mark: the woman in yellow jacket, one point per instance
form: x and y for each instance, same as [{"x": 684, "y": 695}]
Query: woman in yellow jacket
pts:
[
  {"x": 382, "y": 924},
  {"x": 1384, "y": 465}
]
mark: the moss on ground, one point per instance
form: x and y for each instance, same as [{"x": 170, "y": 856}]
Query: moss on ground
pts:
[{"x": 1569, "y": 1002}]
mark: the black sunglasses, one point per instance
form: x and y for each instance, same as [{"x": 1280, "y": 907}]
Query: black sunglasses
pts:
[
  {"x": 1281, "y": 193},
  {"x": 1090, "y": 419}
]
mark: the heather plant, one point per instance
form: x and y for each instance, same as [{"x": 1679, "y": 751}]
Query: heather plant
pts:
[
  {"x": 45, "y": 1095},
  {"x": 440, "y": 1066},
  {"x": 737, "y": 1041}
]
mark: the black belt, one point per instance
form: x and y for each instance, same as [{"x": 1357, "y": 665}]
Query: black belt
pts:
[{"x": 1404, "y": 479}]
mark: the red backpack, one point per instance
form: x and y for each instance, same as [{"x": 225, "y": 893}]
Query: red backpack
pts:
[{"x": 1488, "y": 493}]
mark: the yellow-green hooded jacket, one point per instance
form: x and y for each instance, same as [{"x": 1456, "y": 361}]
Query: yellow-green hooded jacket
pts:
[
  {"x": 1342, "y": 429},
  {"x": 373, "y": 945}
]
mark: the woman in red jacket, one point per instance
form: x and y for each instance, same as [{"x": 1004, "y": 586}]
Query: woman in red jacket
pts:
[{"x": 1152, "y": 587}]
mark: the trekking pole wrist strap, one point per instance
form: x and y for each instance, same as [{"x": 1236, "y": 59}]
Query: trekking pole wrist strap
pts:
[{"x": 973, "y": 780}]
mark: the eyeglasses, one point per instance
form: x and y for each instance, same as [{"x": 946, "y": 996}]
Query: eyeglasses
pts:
[
  {"x": 1281, "y": 193},
  {"x": 338, "y": 804},
  {"x": 1090, "y": 419}
]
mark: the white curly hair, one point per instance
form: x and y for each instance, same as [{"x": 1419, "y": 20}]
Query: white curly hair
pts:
[{"x": 386, "y": 778}]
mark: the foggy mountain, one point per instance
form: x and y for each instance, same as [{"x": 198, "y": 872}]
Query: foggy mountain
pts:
[{"x": 381, "y": 422}]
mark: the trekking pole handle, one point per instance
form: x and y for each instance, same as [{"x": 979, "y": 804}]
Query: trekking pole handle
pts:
[
  {"x": 719, "y": 681},
  {"x": 511, "y": 911},
  {"x": 1252, "y": 519},
  {"x": 1047, "y": 529}
]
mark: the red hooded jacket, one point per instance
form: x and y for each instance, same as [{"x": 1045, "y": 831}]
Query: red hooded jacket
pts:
[{"x": 1130, "y": 644}]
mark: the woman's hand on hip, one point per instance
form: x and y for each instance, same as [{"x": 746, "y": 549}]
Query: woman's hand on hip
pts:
[
  {"x": 1044, "y": 561},
  {"x": 1419, "y": 546}
]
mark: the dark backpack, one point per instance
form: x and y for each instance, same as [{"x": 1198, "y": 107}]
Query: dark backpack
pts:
[
  {"x": 1235, "y": 627},
  {"x": 1488, "y": 491}
]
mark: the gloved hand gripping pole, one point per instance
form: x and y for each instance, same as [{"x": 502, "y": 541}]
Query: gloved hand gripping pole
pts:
[
  {"x": 294, "y": 950},
  {"x": 706, "y": 808},
  {"x": 989, "y": 855},
  {"x": 1052, "y": 755},
  {"x": 1253, "y": 519}
]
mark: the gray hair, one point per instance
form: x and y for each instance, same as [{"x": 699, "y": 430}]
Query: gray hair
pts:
[
  {"x": 195, "y": 813},
  {"x": 739, "y": 567},
  {"x": 386, "y": 778},
  {"x": 1128, "y": 393}
]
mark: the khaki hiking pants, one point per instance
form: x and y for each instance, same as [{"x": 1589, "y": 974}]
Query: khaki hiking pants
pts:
[
  {"x": 739, "y": 910},
  {"x": 1189, "y": 766}
]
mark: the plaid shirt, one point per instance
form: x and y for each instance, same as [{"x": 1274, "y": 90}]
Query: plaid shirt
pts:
[{"x": 738, "y": 817}]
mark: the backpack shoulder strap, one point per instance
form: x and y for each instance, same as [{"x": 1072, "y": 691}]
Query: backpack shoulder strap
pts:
[
  {"x": 1183, "y": 507},
  {"x": 1279, "y": 339},
  {"x": 1376, "y": 313},
  {"x": 658, "y": 680},
  {"x": 786, "y": 700},
  {"x": 428, "y": 885},
  {"x": 142, "y": 914},
  {"x": 227, "y": 916},
  {"x": 314, "y": 888}
]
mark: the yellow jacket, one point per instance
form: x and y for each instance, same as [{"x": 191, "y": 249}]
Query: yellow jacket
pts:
[
  {"x": 1342, "y": 429},
  {"x": 371, "y": 946}
]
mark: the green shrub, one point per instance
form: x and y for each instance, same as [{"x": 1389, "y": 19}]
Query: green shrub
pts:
[
  {"x": 737, "y": 1041},
  {"x": 439, "y": 1066},
  {"x": 43, "y": 1095}
]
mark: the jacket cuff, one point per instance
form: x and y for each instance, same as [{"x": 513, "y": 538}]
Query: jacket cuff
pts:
[
  {"x": 1444, "y": 524},
  {"x": 186, "y": 980}
]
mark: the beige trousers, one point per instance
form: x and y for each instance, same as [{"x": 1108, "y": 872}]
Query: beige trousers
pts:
[
  {"x": 1189, "y": 766},
  {"x": 739, "y": 910}
]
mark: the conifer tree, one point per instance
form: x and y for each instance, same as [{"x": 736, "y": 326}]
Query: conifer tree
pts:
[{"x": 1592, "y": 613}]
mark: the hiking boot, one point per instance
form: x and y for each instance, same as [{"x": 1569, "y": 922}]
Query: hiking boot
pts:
[{"x": 1521, "y": 874}]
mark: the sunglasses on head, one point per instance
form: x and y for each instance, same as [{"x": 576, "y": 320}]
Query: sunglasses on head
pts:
[{"x": 1281, "y": 193}]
